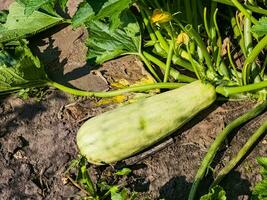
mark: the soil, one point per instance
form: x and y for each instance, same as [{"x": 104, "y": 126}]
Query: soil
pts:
[{"x": 37, "y": 135}]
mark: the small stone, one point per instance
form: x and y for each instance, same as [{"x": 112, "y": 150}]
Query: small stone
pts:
[
  {"x": 64, "y": 180},
  {"x": 20, "y": 155}
]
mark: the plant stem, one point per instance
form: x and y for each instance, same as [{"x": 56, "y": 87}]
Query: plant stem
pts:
[
  {"x": 227, "y": 91},
  {"x": 250, "y": 60},
  {"x": 237, "y": 31},
  {"x": 206, "y": 23},
  {"x": 244, "y": 11},
  {"x": 160, "y": 38},
  {"x": 140, "y": 88},
  {"x": 33, "y": 84},
  {"x": 168, "y": 63},
  {"x": 193, "y": 64},
  {"x": 194, "y": 35},
  {"x": 217, "y": 143},
  {"x": 246, "y": 71},
  {"x": 232, "y": 64},
  {"x": 255, "y": 9},
  {"x": 149, "y": 66},
  {"x": 251, "y": 141},
  {"x": 148, "y": 27},
  {"x": 256, "y": 51},
  {"x": 179, "y": 61},
  {"x": 174, "y": 73},
  {"x": 87, "y": 182}
]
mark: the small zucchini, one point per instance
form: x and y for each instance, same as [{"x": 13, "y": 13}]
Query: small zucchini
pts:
[{"x": 126, "y": 130}]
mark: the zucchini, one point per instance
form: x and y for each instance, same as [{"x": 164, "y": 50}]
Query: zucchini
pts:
[{"x": 126, "y": 130}]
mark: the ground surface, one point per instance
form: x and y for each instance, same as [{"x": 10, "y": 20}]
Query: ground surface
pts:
[{"x": 37, "y": 137}]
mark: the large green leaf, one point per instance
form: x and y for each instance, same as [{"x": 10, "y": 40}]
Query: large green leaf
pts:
[
  {"x": 260, "y": 190},
  {"x": 96, "y": 10},
  {"x": 47, "y": 5},
  {"x": 33, "y": 5},
  {"x": 261, "y": 27},
  {"x": 105, "y": 44},
  {"x": 19, "y": 25},
  {"x": 85, "y": 13},
  {"x": 19, "y": 69}
]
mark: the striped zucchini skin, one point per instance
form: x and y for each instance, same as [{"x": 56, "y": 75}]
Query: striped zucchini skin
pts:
[{"x": 124, "y": 131}]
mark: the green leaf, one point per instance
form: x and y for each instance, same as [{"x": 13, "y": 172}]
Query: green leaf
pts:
[
  {"x": 3, "y": 16},
  {"x": 63, "y": 4},
  {"x": 84, "y": 13},
  {"x": 18, "y": 25},
  {"x": 124, "y": 172},
  {"x": 106, "y": 44},
  {"x": 20, "y": 69},
  {"x": 260, "y": 190},
  {"x": 33, "y": 5},
  {"x": 116, "y": 194},
  {"x": 113, "y": 9},
  {"x": 101, "y": 9},
  {"x": 49, "y": 6},
  {"x": 261, "y": 27},
  {"x": 216, "y": 193}
]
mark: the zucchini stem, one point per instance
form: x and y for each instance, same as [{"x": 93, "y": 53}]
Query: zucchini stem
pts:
[
  {"x": 240, "y": 7},
  {"x": 218, "y": 142},
  {"x": 251, "y": 141},
  {"x": 255, "y": 9},
  {"x": 140, "y": 88},
  {"x": 173, "y": 72},
  {"x": 168, "y": 63},
  {"x": 227, "y": 91}
]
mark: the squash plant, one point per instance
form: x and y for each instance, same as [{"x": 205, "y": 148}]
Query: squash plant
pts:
[{"x": 177, "y": 47}]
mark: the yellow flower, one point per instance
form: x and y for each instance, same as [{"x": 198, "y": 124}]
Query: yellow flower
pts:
[
  {"x": 182, "y": 38},
  {"x": 160, "y": 16}
]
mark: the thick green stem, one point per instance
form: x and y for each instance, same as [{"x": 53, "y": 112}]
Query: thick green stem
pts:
[
  {"x": 153, "y": 31},
  {"x": 244, "y": 11},
  {"x": 140, "y": 88},
  {"x": 179, "y": 61},
  {"x": 247, "y": 35},
  {"x": 194, "y": 35},
  {"x": 256, "y": 51},
  {"x": 174, "y": 73},
  {"x": 33, "y": 84},
  {"x": 246, "y": 71},
  {"x": 251, "y": 141},
  {"x": 228, "y": 91},
  {"x": 148, "y": 64},
  {"x": 148, "y": 27},
  {"x": 168, "y": 63},
  {"x": 250, "y": 60},
  {"x": 193, "y": 64},
  {"x": 218, "y": 142},
  {"x": 160, "y": 38},
  {"x": 255, "y": 9}
]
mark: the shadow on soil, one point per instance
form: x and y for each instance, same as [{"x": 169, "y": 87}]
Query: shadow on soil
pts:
[
  {"x": 43, "y": 46},
  {"x": 11, "y": 117},
  {"x": 179, "y": 187}
]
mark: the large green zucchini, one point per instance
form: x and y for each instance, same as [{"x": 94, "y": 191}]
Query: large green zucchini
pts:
[{"x": 128, "y": 129}]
